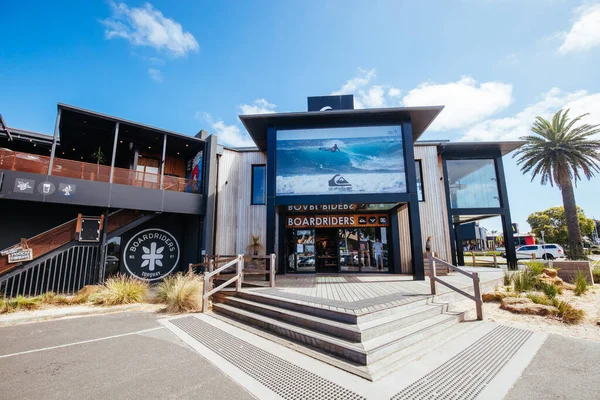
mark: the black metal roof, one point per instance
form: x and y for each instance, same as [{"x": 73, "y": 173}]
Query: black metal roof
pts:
[
  {"x": 22, "y": 134},
  {"x": 421, "y": 118},
  {"x": 463, "y": 148},
  {"x": 123, "y": 121}
]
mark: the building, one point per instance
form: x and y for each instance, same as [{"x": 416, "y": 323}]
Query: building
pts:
[{"x": 330, "y": 190}]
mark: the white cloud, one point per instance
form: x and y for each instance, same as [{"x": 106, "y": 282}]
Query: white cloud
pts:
[
  {"x": 394, "y": 92},
  {"x": 465, "y": 102},
  {"x": 512, "y": 128},
  {"x": 366, "y": 95},
  {"x": 585, "y": 32},
  {"x": 155, "y": 74},
  {"x": 258, "y": 106},
  {"x": 146, "y": 26},
  {"x": 229, "y": 135}
]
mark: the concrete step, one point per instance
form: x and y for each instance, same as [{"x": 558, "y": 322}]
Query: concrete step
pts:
[
  {"x": 399, "y": 359},
  {"x": 347, "y": 317},
  {"x": 356, "y": 352},
  {"x": 343, "y": 330},
  {"x": 352, "y": 351},
  {"x": 383, "y": 346},
  {"x": 403, "y": 317}
]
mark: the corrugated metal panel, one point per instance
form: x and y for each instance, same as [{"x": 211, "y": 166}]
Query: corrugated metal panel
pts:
[
  {"x": 433, "y": 213},
  {"x": 237, "y": 219}
]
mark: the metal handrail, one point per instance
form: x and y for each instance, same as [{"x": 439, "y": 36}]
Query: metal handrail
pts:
[
  {"x": 238, "y": 261},
  {"x": 433, "y": 279}
]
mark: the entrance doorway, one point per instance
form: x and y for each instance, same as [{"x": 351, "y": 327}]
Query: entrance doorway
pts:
[
  {"x": 327, "y": 251},
  {"x": 333, "y": 250}
]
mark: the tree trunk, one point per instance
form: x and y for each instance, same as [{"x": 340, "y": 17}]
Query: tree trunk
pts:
[{"x": 575, "y": 242}]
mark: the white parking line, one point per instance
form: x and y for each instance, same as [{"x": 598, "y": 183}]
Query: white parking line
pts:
[{"x": 82, "y": 342}]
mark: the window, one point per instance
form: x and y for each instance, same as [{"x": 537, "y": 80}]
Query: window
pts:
[
  {"x": 473, "y": 183},
  {"x": 550, "y": 246},
  {"x": 419, "y": 173},
  {"x": 258, "y": 184}
]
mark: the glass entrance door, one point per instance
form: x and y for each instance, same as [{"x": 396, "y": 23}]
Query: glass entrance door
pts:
[
  {"x": 363, "y": 250},
  {"x": 301, "y": 250}
]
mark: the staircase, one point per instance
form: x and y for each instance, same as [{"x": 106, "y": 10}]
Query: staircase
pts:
[
  {"x": 61, "y": 263},
  {"x": 369, "y": 345}
]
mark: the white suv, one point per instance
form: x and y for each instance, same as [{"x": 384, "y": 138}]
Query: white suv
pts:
[{"x": 548, "y": 251}]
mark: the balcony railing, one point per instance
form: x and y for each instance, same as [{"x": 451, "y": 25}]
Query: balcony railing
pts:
[{"x": 25, "y": 162}]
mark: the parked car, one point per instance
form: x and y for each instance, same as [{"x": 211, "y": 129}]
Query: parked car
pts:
[{"x": 548, "y": 251}]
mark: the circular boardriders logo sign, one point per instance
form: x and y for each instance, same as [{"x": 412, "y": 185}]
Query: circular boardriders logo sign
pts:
[{"x": 151, "y": 254}]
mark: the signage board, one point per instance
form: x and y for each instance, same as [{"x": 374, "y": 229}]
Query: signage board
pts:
[
  {"x": 151, "y": 254},
  {"x": 347, "y": 160},
  {"x": 20, "y": 256},
  {"x": 11, "y": 250},
  {"x": 337, "y": 221}
]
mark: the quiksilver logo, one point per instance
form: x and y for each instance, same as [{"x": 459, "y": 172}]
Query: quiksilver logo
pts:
[
  {"x": 339, "y": 183},
  {"x": 339, "y": 180}
]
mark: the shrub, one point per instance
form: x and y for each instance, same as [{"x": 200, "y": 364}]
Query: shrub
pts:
[
  {"x": 596, "y": 274},
  {"x": 580, "y": 284},
  {"x": 507, "y": 278},
  {"x": 536, "y": 267},
  {"x": 539, "y": 299},
  {"x": 20, "y": 303},
  {"x": 181, "y": 293},
  {"x": 549, "y": 290},
  {"x": 525, "y": 280},
  {"x": 567, "y": 313},
  {"x": 122, "y": 289}
]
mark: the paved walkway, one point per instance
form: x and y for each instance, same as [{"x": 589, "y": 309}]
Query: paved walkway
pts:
[
  {"x": 361, "y": 294},
  {"x": 117, "y": 356}
]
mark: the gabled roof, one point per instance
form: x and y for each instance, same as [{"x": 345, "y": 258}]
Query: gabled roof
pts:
[{"x": 421, "y": 118}]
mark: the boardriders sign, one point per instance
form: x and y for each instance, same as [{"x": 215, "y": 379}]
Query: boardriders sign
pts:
[{"x": 151, "y": 254}]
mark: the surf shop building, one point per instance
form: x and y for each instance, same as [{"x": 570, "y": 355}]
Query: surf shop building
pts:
[
  {"x": 331, "y": 190},
  {"x": 339, "y": 190}
]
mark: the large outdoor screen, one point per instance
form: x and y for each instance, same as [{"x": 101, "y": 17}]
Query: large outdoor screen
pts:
[{"x": 358, "y": 160}]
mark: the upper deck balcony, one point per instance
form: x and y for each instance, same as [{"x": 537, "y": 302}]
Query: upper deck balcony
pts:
[{"x": 107, "y": 162}]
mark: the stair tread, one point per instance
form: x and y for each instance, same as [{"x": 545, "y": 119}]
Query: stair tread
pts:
[
  {"x": 369, "y": 346},
  {"x": 325, "y": 321},
  {"x": 355, "y": 346},
  {"x": 378, "y": 322},
  {"x": 393, "y": 337}
]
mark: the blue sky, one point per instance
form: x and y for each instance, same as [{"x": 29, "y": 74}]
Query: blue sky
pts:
[{"x": 191, "y": 65}]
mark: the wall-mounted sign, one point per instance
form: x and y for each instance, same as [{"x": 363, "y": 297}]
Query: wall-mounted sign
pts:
[
  {"x": 322, "y": 207},
  {"x": 151, "y": 254},
  {"x": 348, "y": 160},
  {"x": 11, "y": 250},
  {"x": 23, "y": 185},
  {"x": 337, "y": 221},
  {"x": 20, "y": 256}
]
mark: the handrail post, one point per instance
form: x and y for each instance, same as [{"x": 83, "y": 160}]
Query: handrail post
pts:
[
  {"x": 477, "y": 293},
  {"x": 473, "y": 255},
  {"x": 239, "y": 272},
  {"x": 273, "y": 270},
  {"x": 190, "y": 269},
  {"x": 495, "y": 261},
  {"x": 432, "y": 272},
  {"x": 205, "y": 293},
  {"x": 210, "y": 265}
]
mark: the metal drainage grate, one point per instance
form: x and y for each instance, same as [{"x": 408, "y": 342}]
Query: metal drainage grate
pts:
[
  {"x": 282, "y": 377},
  {"x": 466, "y": 374}
]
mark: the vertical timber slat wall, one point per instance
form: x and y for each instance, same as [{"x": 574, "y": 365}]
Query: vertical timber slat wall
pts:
[
  {"x": 433, "y": 213},
  {"x": 237, "y": 219},
  {"x": 405, "y": 249}
]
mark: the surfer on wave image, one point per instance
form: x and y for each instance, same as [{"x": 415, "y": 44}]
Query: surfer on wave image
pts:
[{"x": 331, "y": 149}]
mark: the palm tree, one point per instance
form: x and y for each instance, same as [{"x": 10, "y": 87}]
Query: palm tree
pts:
[{"x": 561, "y": 153}]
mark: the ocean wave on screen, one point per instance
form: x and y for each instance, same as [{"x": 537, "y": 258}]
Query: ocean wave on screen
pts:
[{"x": 361, "y": 183}]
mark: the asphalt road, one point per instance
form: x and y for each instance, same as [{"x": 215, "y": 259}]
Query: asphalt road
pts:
[
  {"x": 563, "y": 368},
  {"x": 115, "y": 356}
]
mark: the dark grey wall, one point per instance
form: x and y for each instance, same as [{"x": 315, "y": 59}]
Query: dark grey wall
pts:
[
  {"x": 20, "y": 219},
  {"x": 101, "y": 194}
]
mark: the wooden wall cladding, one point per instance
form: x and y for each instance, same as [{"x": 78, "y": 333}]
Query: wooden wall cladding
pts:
[
  {"x": 433, "y": 212},
  {"x": 237, "y": 219}
]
